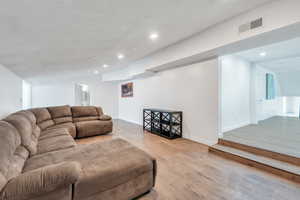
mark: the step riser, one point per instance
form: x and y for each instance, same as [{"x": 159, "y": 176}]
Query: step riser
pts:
[
  {"x": 252, "y": 163},
  {"x": 261, "y": 152}
]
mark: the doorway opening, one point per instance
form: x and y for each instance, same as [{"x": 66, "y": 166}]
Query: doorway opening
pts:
[
  {"x": 82, "y": 95},
  {"x": 260, "y": 97}
]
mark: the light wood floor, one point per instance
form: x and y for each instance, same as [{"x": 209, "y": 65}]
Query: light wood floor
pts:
[
  {"x": 277, "y": 134},
  {"x": 187, "y": 171}
]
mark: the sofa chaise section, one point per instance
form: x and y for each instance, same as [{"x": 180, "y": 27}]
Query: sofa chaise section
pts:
[{"x": 91, "y": 121}]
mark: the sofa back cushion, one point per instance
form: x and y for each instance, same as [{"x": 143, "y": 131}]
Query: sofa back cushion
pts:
[
  {"x": 61, "y": 114},
  {"x": 84, "y": 113},
  {"x": 100, "y": 111},
  {"x": 25, "y": 129},
  {"x": 12, "y": 154},
  {"x": 43, "y": 117},
  {"x": 31, "y": 117}
]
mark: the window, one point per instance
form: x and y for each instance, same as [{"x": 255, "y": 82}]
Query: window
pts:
[{"x": 270, "y": 87}]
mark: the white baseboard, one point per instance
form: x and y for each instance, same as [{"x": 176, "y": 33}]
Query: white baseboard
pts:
[
  {"x": 204, "y": 141},
  {"x": 131, "y": 121},
  {"x": 239, "y": 125},
  {"x": 199, "y": 140}
]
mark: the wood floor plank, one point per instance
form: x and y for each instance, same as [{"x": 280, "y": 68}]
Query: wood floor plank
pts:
[{"x": 188, "y": 171}]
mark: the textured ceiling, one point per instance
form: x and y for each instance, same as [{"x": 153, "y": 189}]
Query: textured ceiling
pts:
[{"x": 59, "y": 36}]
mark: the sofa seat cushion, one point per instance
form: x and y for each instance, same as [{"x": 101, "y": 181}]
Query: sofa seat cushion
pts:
[
  {"x": 53, "y": 133},
  {"x": 81, "y": 152},
  {"x": 91, "y": 128},
  {"x": 68, "y": 126},
  {"x": 105, "y": 165},
  {"x": 55, "y": 143},
  {"x": 81, "y": 119}
]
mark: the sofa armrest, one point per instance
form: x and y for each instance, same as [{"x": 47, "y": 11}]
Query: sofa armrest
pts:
[
  {"x": 105, "y": 118},
  {"x": 42, "y": 180}
]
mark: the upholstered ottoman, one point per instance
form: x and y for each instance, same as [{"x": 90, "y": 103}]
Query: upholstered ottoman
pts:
[{"x": 110, "y": 170}]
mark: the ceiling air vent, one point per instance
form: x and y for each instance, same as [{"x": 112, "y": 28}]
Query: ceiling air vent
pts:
[{"x": 251, "y": 25}]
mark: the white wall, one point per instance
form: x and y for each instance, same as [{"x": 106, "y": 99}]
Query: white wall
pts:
[
  {"x": 289, "y": 82},
  {"x": 290, "y": 92},
  {"x": 291, "y": 106},
  {"x": 192, "y": 89},
  {"x": 106, "y": 96},
  {"x": 62, "y": 93},
  {"x": 10, "y": 92},
  {"x": 26, "y": 95},
  {"x": 53, "y": 95},
  {"x": 236, "y": 79}
]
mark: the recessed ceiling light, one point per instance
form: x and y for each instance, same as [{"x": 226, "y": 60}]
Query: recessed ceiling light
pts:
[
  {"x": 96, "y": 72},
  {"x": 120, "y": 56},
  {"x": 263, "y": 54},
  {"x": 105, "y": 66},
  {"x": 153, "y": 36}
]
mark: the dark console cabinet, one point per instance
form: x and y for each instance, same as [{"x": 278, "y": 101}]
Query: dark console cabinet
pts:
[{"x": 166, "y": 123}]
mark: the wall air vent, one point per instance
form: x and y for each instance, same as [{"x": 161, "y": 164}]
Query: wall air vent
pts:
[{"x": 251, "y": 25}]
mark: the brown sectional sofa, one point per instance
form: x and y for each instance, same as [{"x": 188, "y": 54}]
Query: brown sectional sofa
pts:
[
  {"x": 39, "y": 159},
  {"x": 81, "y": 121}
]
